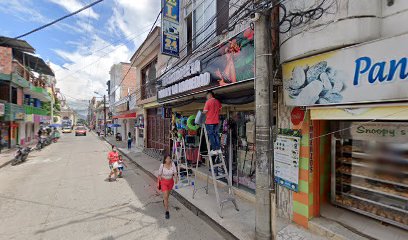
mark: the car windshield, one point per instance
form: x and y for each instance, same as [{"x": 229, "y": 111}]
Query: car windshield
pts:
[
  {"x": 67, "y": 128},
  {"x": 80, "y": 128}
]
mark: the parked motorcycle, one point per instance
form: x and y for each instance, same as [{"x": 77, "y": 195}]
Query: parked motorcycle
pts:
[
  {"x": 20, "y": 155},
  {"x": 40, "y": 144}
]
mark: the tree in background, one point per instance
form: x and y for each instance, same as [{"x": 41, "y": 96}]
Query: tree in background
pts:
[{"x": 57, "y": 107}]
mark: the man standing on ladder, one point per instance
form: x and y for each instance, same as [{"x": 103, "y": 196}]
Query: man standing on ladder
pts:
[{"x": 212, "y": 110}]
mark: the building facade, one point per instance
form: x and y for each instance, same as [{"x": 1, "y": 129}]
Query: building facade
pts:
[
  {"x": 122, "y": 86},
  {"x": 351, "y": 123},
  {"x": 26, "y": 84}
]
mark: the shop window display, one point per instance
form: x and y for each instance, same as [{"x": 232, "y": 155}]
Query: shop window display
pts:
[
  {"x": 370, "y": 171},
  {"x": 243, "y": 143}
]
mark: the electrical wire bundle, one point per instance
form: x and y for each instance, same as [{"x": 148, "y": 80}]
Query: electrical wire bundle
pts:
[{"x": 290, "y": 20}]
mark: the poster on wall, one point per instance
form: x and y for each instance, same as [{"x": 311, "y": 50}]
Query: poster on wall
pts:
[
  {"x": 286, "y": 161},
  {"x": 228, "y": 63},
  {"x": 170, "y": 36},
  {"x": 372, "y": 72}
]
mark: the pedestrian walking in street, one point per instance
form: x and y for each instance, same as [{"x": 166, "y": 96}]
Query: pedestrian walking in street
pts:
[
  {"x": 212, "y": 110},
  {"x": 167, "y": 174},
  {"x": 122, "y": 164},
  {"x": 129, "y": 140},
  {"x": 113, "y": 158}
]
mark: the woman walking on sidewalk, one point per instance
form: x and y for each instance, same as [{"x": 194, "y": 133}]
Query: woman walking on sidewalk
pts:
[{"x": 167, "y": 173}]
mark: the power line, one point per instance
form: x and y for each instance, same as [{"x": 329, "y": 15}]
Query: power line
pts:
[{"x": 59, "y": 19}]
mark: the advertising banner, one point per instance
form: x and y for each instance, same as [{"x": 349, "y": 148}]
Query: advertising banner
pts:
[
  {"x": 228, "y": 63},
  {"x": 286, "y": 161},
  {"x": 372, "y": 72},
  {"x": 170, "y": 36}
]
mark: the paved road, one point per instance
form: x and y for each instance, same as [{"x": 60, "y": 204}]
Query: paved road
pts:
[{"x": 60, "y": 193}]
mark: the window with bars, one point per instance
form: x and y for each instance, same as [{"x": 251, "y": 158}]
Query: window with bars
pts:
[{"x": 149, "y": 74}]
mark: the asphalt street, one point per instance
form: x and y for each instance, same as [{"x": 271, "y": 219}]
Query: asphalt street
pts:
[{"x": 61, "y": 193}]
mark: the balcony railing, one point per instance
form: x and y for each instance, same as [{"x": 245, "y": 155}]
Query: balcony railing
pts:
[
  {"x": 26, "y": 74},
  {"x": 35, "y": 110}
]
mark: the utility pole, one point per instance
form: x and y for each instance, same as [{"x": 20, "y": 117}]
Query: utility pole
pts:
[
  {"x": 104, "y": 115},
  {"x": 265, "y": 196}
]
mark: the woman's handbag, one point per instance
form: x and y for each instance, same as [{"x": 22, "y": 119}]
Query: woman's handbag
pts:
[
  {"x": 159, "y": 180},
  {"x": 158, "y": 184}
]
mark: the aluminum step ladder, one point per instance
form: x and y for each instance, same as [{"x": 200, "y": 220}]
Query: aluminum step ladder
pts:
[
  {"x": 183, "y": 170},
  {"x": 216, "y": 161}
]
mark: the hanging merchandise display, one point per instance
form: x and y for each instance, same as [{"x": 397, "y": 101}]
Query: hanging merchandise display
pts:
[{"x": 190, "y": 123}]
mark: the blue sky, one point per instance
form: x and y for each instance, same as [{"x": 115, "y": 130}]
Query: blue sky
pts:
[{"x": 82, "y": 48}]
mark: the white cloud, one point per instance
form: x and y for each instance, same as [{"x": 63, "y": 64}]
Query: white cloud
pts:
[
  {"x": 83, "y": 74},
  {"x": 87, "y": 66},
  {"x": 22, "y": 9},
  {"x": 74, "y": 5},
  {"x": 130, "y": 18}
]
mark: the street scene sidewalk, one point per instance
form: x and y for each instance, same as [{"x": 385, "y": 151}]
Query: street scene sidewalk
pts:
[
  {"x": 7, "y": 155},
  {"x": 238, "y": 224}
]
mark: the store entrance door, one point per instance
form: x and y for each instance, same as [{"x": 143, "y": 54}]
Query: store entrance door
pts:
[{"x": 158, "y": 131}]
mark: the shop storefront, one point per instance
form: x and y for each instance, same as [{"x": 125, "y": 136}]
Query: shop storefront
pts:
[
  {"x": 139, "y": 131},
  {"x": 355, "y": 102},
  {"x": 227, "y": 70}
]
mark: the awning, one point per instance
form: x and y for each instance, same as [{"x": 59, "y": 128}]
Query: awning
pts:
[
  {"x": 127, "y": 115},
  {"x": 21, "y": 45},
  {"x": 34, "y": 63},
  {"x": 391, "y": 112}
]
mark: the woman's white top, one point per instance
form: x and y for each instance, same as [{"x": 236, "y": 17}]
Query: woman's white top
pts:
[{"x": 167, "y": 173}]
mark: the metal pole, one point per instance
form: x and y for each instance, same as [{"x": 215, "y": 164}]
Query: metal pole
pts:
[
  {"x": 52, "y": 110},
  {"x": 263, "y": 69},
  {"x": 104, "y": 115}
]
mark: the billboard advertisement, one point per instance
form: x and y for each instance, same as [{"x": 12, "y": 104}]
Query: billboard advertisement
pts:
[
  {"x": 372, "y": 72},
  {"x": 228, "y": 63},
  {"x": 170, "y": 36}
]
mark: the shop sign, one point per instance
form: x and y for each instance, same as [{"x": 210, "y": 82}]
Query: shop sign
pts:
[
  {"x": 228, "y": 63},
  {"x": 286, "y": 161},
  {"x": 2, "y": 109},
  {"x": 29, "y": 118},
  {"x": 379, "y": 131},
  {"x": 372, "y": 72},
  {"x": 297, "y": 115},
  {"x": 170, "y": 37},
  {"x": 41, "y": 119}
]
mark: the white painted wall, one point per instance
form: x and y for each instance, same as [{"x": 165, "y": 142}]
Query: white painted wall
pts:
[{"x": 345, "y": 22}]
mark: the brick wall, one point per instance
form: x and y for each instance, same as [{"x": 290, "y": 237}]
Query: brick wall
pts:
[
  {"x": 5, "y": 60},
  {"x": 20, "y": 96},
  {"x": 129, "y": 82}
]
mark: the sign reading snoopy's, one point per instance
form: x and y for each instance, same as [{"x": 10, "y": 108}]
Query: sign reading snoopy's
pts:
[{"x": 372, "y": 72}]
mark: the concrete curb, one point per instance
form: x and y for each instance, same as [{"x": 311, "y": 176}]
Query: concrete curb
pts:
[{"x": 216, "y": 226}]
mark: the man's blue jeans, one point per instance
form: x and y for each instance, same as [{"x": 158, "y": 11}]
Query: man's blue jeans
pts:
[{"x": 213, "y": 136}]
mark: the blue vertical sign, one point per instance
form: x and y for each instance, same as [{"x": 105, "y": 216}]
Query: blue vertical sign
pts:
[{"x": 170, "y": 38}]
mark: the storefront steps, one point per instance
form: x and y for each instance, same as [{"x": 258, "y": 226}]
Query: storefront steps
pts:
[
  {"x": 234, "y": 225},
  {"x": 340, "y": 224}
]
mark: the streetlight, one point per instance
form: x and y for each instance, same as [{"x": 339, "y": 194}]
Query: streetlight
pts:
[{"x": 104, "y": 112}]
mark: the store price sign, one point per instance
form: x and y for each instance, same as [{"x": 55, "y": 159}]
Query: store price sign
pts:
[{"x": 286, "y": 161}]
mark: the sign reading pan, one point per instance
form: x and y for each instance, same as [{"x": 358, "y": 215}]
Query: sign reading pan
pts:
[
  {"x": 170, "y": 37},
  {"x": 228, "y": 63},
  {"x": 372, "y": 72}
]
